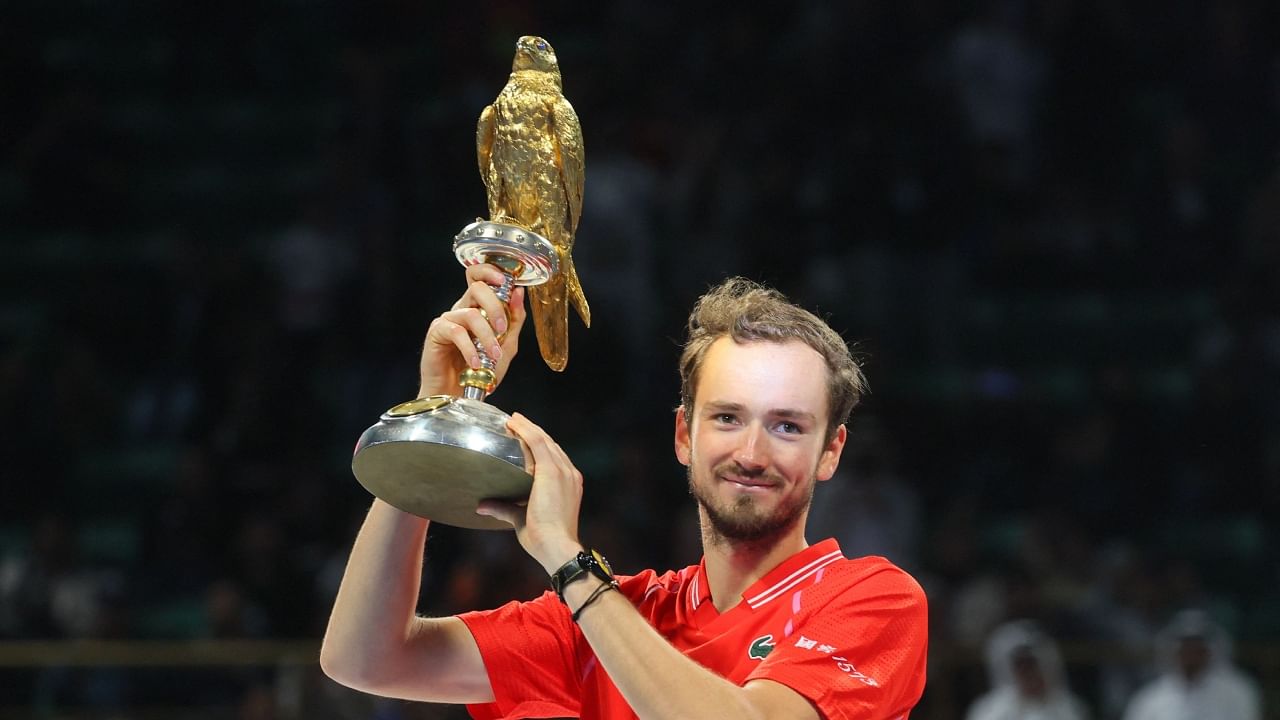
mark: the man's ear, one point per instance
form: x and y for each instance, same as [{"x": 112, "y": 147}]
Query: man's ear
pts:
[
  {"x": 684, "y": 443},
  {"x": 830, "y": 458}
]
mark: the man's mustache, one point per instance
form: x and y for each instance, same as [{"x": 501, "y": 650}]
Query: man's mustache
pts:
[{"x": 732, "y": 468}]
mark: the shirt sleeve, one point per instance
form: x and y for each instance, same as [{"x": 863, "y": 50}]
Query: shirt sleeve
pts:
[
  {"x": 529, "y": 653},
  {"x": 860, "y": 652}
]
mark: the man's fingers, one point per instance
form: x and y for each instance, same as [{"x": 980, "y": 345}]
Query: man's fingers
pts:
[
  {"x": 481, "y": 279},
  {"x": 477, "y": 325},
  {"x": 517, "y": 310},
  {"x": 487, "y": 300},
  {"x": 538, "y": 441},
  {"x": 446, "y": 332},
  {"x": 481, "y": 297},
  {"x": 485, "y": 273},
  {"x": 546, "y": 453}
]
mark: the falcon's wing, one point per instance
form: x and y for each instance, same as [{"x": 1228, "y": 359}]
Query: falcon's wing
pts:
[
  {"x": 484, "y": 141},
  {"x": 567, "y": 134}
]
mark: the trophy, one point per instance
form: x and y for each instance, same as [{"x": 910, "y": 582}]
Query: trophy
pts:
[{"x": 439, "y": 456}]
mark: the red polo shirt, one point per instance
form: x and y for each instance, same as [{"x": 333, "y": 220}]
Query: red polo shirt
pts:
[{"x": 849, "y": 635}]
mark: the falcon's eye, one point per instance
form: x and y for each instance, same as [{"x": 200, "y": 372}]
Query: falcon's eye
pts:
[{"x": 542, "y": 45}]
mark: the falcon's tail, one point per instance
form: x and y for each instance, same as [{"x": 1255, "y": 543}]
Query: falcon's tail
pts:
[
  {"x": 549, "y": 304},
  {"x": 575, "y": 291}
]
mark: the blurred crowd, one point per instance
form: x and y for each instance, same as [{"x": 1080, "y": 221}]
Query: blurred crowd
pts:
[{"x": 1053, "y": 229}]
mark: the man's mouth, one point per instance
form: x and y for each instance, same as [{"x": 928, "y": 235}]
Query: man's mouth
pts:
[{"x": 760, "y": 482}]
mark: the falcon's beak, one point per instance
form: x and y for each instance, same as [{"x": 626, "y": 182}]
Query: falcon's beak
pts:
[{"x": 523, "y": 58}]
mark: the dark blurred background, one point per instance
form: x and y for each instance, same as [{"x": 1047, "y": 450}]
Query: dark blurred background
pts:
[{"x": 1053, "y": 229}]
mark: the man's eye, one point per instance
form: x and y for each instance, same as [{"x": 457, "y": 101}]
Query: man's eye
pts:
[
  {"x": 725, "y": 418},
  {"x": 790, "y": 428}
]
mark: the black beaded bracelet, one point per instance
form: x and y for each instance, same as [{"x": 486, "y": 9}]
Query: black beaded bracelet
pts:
[{"x": 593, "y": 597}]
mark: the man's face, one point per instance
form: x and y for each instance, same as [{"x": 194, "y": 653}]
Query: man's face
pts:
[
  {"x": 755, "y": 441},
  {"x": 1028, "y": 674},
  {"x": 1193, "y": 656}
]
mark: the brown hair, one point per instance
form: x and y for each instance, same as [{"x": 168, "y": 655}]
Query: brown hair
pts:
[{"x": 750, "y": 312}]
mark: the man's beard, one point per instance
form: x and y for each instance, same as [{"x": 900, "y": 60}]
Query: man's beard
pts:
[{"x": 743, "y": 521}]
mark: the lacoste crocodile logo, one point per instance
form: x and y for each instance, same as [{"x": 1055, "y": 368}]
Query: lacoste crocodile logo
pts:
[{"x": 760, "y": 647}]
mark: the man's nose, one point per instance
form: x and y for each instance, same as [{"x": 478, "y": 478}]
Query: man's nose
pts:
[{"x": 752, "y": 452}]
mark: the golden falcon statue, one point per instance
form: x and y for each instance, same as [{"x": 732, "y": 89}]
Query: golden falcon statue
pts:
[{"x": 529, "y": 145}]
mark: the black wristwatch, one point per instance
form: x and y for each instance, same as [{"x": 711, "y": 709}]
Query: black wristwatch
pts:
[{"x": 580, "y": 566}]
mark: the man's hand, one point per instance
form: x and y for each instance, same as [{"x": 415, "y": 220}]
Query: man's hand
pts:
[
  {"x": 547, "y": 526},
  {"x": 478, "y": 315}
]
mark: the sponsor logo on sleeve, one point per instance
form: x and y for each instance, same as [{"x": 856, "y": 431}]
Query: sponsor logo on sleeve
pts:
[{"x": 842, "y": 664}]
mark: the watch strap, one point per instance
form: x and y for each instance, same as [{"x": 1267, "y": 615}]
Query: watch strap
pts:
[{"x": 581, "y": 565}]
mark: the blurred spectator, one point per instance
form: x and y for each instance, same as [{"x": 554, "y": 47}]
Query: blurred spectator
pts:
[
  {"x": 185, "y": 532},
  {"x": 1129, "y": 603},
  {"x": 1027, "y": 681},
  {"x": 52, "y": 592},
  {"x": 229, "y": 615},
  {"x": 998, "y": 74},
  {"x": 1199, "y": 682},
  {"x": 991, "y": 596},
  {"x": 867, "y": 507},
  {"x": 266, "y": 567},
  {"x": 49, "y": 592},
  {"x": 310, "y": 261},
  {"x": 619, "y": 258}
]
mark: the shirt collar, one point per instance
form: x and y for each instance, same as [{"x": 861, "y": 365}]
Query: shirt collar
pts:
[{"x": 806, "y": 565}]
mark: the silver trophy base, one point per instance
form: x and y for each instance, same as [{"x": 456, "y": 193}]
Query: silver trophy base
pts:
[{"x": 438, "y": 457}]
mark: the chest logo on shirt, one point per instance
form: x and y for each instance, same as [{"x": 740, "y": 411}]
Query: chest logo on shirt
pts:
[{"x": 760, "y": 647}]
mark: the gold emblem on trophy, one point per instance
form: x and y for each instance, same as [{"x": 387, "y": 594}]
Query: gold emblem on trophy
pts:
[{"x": 439, "y": 456}]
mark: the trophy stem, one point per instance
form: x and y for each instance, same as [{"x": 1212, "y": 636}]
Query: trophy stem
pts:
[
  {"x": 472, "y": 392},
  {"x": 477, "y": 383}
]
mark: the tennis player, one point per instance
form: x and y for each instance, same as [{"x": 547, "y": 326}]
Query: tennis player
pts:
[{"x": 765, "y": 625}]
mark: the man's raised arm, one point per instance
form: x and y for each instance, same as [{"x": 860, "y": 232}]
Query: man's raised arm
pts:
[{"x": 374, "y": 641}]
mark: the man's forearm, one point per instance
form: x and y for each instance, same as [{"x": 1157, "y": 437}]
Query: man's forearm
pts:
[
  {"x": 657, "y": 680},
  {"x": 374, "y": 610}
]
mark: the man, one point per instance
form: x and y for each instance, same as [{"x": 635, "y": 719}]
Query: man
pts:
[
  {"x": 1199, "y": 679},
  {"x": 1027, "y": 679},
  {"x": 766, "y": 626}
]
